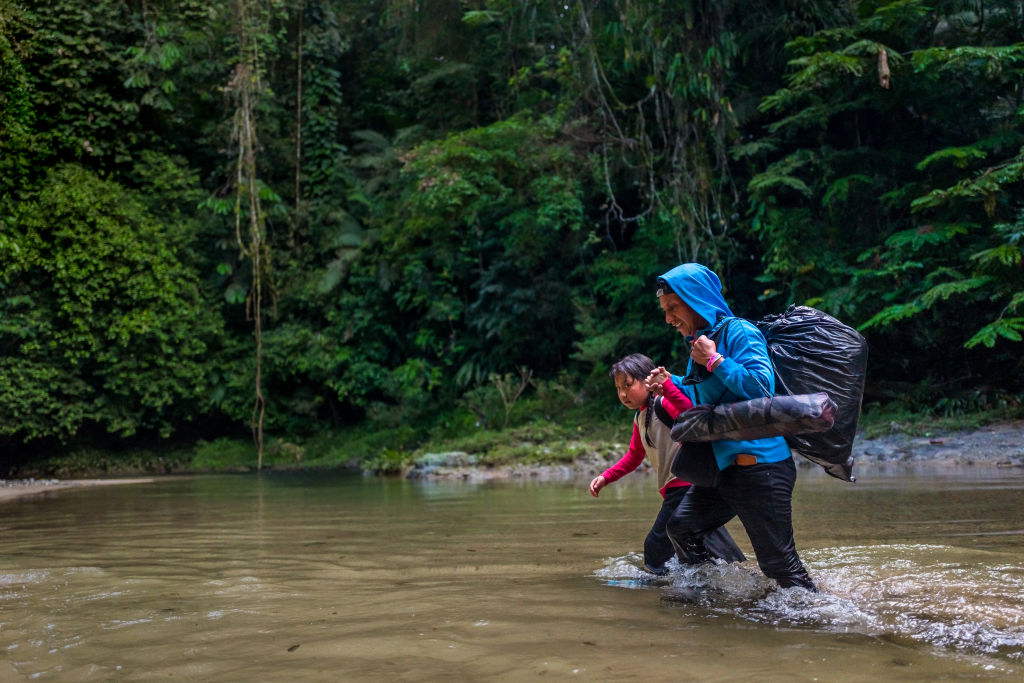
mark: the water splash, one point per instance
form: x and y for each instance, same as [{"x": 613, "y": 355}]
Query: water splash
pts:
[
  {"x": 628, "y": 572},
  {"x": 958, "y": 599},
  {"x": 968, "y": 600}
]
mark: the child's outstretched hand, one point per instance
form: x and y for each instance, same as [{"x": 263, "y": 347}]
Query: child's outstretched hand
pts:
[
  {"x": 658, "y": 376},
  {"x": 596, "y": 485}
]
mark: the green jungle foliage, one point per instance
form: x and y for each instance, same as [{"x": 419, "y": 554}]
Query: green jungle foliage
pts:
[{"x": 405, "y": 222}]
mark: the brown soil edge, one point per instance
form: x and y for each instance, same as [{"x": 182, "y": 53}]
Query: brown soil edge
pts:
[
  {"x": 997, "y": 445},
  {"x": 12, "y": 490}
]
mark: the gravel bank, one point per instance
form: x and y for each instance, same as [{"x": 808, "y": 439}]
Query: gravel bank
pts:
[
  {"x": 995, "y": 445},
  {"x": 16, "y": 488}
]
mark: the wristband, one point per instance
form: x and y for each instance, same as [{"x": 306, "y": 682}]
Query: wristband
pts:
[{"x": 711, "y": 361}]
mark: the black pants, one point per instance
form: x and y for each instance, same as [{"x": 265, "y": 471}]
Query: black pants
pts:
[
  {"x": 762, "y": 497},
  {"x": 658, "y": 547}
]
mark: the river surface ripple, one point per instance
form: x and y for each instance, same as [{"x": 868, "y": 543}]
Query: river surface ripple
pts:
[{"x": 340, "y": 577}]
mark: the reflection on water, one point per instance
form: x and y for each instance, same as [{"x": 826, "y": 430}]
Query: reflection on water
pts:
[{"x": 330, "y": 577}]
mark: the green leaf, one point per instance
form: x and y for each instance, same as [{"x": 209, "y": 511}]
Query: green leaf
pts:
[
  {"x": 753, "y": 149},
  {"x": 218, "y": 205},
  {"x": 839, "y": 190},
  {"x": 960, "y": 156},
  {"x": 1008, "y": 328},
  {"x": 480, "y": 17},
  {"x": 926, "y": 235},
  {"x": 948, "y": 289},
  {"x": 235, "y": 293},
  {"x": 892, "y": 314},
  {"x": 1004, "y": 255}
]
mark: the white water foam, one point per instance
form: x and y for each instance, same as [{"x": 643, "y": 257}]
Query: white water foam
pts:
[{"x": 951, "y": 598}]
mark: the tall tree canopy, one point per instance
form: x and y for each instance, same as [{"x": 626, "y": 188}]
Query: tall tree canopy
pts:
[{"x": 406, "y": 202}]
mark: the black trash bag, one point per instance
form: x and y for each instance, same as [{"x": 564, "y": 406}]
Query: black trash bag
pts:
[
  {"x": 695, "y": 462},
  {"x": 779, "y": 415},
  {"x": 813, "y": 352}
]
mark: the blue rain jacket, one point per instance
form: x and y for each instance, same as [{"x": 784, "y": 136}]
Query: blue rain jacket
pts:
[{"x": 746, "y": 371}]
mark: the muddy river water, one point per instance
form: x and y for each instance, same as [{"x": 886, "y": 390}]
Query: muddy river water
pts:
[{"x": 325, "y": 577}]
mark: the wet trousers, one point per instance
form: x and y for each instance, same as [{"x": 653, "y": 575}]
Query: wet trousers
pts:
[
  {"x": 658, "y": 547},
  {"x": 761, "y": 496}
]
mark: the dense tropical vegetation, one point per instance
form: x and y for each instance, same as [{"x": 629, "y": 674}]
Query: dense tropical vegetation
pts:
[{"x": 397, "y": 222}]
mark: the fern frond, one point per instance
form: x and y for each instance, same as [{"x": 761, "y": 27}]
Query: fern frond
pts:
[
  {"x": 1008, "y": 328},
  {"x": 892, "y": 314}
]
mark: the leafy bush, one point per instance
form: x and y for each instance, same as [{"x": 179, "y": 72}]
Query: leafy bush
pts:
[
  {"x": 103, "y": 322},
  {"x": 224, "y": 455}
]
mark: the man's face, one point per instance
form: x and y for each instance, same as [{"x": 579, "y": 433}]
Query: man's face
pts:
[{"x": 679, "y": 315}]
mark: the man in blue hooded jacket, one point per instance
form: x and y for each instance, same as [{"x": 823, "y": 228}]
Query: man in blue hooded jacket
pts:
[{"x": 756, "y": 477}]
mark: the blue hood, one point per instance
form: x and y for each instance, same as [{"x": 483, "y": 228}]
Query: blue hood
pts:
[{"x": 700, "y": 289}]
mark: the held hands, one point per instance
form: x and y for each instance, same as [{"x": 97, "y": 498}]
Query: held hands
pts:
[
  {"x": 596, "y": 485},
  {"x": 658, "y": 376}
]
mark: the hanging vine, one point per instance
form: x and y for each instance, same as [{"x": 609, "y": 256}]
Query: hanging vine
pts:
[
  {"x": 246, "y": 86},
  {"x": 673, "y": 134},
  {"x": 298, "y": 111}
]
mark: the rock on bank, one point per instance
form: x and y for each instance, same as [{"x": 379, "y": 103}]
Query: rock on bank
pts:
[{"x": 995, "y": 445}]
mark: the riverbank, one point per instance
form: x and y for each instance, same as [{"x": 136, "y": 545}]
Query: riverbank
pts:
[
  {"x": 996, "y": 445},
  {"x": 17, "y": 488},
  {"x": 1000, "y": 444}
]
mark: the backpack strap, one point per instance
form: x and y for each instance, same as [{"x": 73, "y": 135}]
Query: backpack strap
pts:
[
  {"x": 662, "y": 413},
  {"x": 719, "y": 333}
]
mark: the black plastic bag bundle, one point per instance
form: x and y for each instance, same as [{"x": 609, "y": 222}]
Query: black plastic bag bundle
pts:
[
  {"x": 758, "y": 418},
  {"x": 813, "y": 352}
]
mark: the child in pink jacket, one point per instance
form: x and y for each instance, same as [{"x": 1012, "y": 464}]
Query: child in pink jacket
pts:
[{"x": 657, "y": 401}]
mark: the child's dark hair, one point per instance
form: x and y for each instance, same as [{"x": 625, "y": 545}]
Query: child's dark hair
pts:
[
  {"x": 638, "y": 367},
  {"x": 635, "y": 365}
]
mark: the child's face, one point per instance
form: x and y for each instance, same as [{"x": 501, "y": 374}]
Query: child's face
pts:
[{"x": 632, "y": 392}]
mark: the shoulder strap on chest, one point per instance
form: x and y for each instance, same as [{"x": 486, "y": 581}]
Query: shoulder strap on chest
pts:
[
  {"x": 720, "y": 330},
  {"x": 696, "y": 373},
  {"x": 662, "y": 413}
]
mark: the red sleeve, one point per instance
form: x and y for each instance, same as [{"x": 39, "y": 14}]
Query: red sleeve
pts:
[
  {"x": 630, "y": 461},
  {"x": 674, "y": 400}
]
